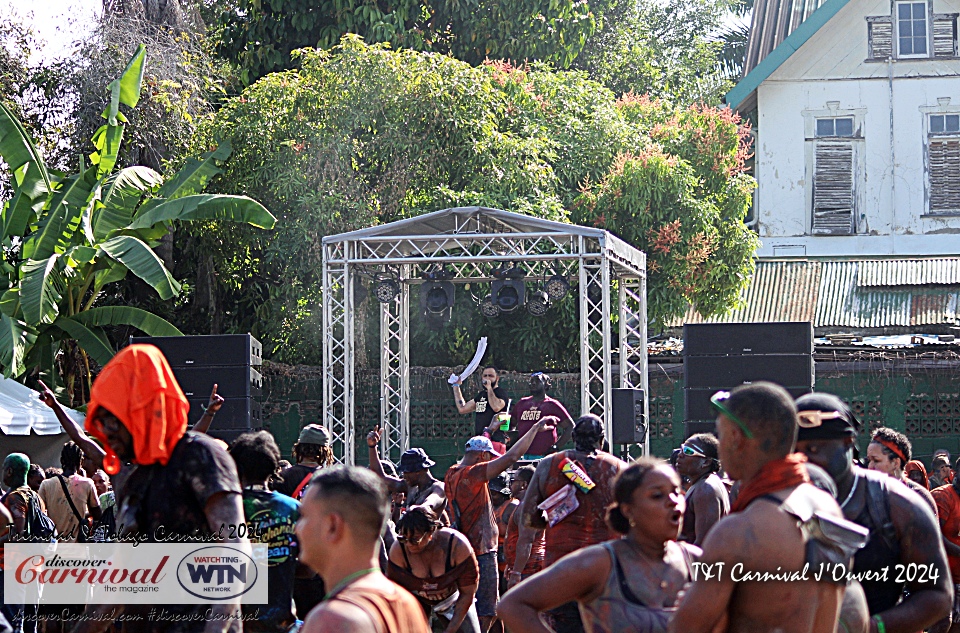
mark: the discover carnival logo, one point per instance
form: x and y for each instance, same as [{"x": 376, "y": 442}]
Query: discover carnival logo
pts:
[
  {"x": 148, "y": 573},
  {"x": 217, "y": 572}
]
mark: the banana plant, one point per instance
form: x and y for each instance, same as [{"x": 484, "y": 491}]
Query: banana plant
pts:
[{"x": 66, "y": 237}]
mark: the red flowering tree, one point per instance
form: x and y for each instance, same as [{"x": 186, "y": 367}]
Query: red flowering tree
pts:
[{"x": 682, "y": 198}]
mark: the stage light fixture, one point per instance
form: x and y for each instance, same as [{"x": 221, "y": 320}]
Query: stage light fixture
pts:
[
  {"x": 557, "y": 286},
  {"x": 488, "y": 308},
  {"x": 437, "y": 293},
  {"x": 387, "y": 288},
  {"x": 538, "y": 303},
  {"x": 508, "y": 292}
]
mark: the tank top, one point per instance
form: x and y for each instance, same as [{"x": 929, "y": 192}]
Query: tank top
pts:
[
  {"x": 391, "y": 610},
  {"x": 883, "y": 549},
  {"x": 587, "y": 524},
  {"x": 432, "y": 591},
  {"x": 619, "y": 609}
]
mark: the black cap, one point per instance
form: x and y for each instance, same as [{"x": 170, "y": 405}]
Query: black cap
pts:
[
  {"x": 499, "y": 484},
  {"x": 413, "y": 460},
  {"x": 835, "y": 428}
]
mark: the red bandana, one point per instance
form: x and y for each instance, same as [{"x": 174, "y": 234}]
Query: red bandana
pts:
[
  {"x": 893, "y": 448},
  {"x": 776, "y": 475}
]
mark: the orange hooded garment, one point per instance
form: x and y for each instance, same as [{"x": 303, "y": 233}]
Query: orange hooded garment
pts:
[{"x": 138, "y": 387}]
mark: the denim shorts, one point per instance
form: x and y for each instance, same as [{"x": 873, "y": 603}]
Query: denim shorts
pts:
[{"x": 488, "y": 591}]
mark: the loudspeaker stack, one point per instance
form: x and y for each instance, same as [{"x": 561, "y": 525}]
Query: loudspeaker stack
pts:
[
  {"x": 629, "y": 416},
  {"x": 721, "y": 356},
  {"x": 227, "y": 360}
]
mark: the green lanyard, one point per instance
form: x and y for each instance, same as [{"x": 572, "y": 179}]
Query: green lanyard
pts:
[{"x": 346, "y": 581}]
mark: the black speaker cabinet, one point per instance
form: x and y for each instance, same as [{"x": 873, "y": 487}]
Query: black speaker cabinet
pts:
[
  {"x": 697, "y": 401},
  {"x": 692, "y": 428},
  {"x": 223, "y": 350},
  {"x": 232, "y": 382},
  {"x": 729, "y": 371},
  {"x": 742, "y": 339},
  {"x": 629, "y": 416}
]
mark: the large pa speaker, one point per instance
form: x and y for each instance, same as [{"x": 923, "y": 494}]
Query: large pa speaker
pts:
[
  {"x": 629, "y": 416},
  {"x": 741, "y": 339},
  {"x": 721, "y": 356},
  {"x": 199, "y": 362}
]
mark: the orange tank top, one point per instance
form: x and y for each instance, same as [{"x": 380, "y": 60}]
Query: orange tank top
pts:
[{"x": 391, "y": 610}]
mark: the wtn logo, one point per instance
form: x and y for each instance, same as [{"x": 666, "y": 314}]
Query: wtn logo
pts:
[
  {"x": 225, "y": 573},
  {"x": 217, "y": 572}
]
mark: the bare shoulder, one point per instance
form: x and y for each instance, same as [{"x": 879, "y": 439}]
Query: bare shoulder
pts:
[
  {"x": 905, "y": 504},
  {"x": 725, "y": 540},
  {"x": 340, "y": 616},
  {"x": 461, "y": 548}
]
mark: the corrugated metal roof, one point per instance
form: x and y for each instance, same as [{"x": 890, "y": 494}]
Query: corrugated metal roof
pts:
[
  {"x": 772, "y": 22},
  {"x": 909, "y": 272},
  {"x": 779, "y": 291},
  {"x": 855, "y": 294}
]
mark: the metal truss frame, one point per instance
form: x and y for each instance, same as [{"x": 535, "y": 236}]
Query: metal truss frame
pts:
[{"x": 469, "y": 242}]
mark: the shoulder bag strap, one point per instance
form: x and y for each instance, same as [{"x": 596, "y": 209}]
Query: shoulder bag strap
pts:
[
  {"x": 303, "y": 484},
  {"x": 66, "y": 493}
]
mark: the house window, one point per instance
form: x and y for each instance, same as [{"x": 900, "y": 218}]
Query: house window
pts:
[
  {"x": 833, "y": 176},
  {"x": 943, "y": 161},
  {"x": 912, "y": 29}
]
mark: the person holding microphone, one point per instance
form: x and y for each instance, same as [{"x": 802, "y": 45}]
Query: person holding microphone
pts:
[{"x": 487, "y": 403}]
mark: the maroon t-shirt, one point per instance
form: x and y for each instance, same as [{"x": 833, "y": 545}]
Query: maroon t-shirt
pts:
[{"x": 528, "y": 412}]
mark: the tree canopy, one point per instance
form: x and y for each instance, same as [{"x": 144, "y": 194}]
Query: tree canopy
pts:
[{"x": 364, "y": 134}]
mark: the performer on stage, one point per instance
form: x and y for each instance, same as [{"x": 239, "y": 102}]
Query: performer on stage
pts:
[{"x": 486, "y": 404}]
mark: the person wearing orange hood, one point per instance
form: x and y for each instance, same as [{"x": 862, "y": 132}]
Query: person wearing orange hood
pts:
[{"x": 180, "y": 482}]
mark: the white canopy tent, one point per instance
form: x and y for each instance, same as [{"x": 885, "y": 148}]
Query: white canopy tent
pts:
[{"x": 29, "y": 426}]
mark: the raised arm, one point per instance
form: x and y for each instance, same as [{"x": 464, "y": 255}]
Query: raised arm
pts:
[
  {"x": 213, "y": 405},
  {"x": 579, "y": 576},
  {"x": 463, "y": 406},
  {"x": 493, "y": 400},
  {"x": 508, "y": 459},
  {"x": 73, "y": 429},
  {"x": 373, "y": 441}
]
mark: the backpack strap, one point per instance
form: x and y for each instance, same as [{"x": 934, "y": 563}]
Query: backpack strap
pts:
[
  {"x": 303, "y": 484},
  {"x": 81, "y": 524}
]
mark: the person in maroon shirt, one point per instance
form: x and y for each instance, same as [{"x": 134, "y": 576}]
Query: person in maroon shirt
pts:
[{"x": 538, "y": 405}]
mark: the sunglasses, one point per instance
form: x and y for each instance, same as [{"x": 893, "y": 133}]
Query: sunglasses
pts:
[
  {"x": 813, "y": 419},
  {"x": 535, "y": 374},
  {"x": 109, "y": 425},
  {"x": 413, "y": 541},
  {"x": 690, "y": 451},
  {"x": 717, "y": 400}
]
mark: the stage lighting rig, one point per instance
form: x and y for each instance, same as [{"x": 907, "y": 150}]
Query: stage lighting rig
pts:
[
  {"x": 488, "y": 308},
  {"x": 538, "y": 303},
  {"x": 508, "y": 291},
  {"x": 437, "y": 294},
  {"x": 557, "y": 286},
  {"x": 387, "y": 288}
]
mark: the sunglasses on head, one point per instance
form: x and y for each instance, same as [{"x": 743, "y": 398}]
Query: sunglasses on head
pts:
[
  {"x": 535, "y": 374},
  {"x": 813, "y": 419},
  {"x": 718, "y": 401},
  {"x": 690, "y": 451}
]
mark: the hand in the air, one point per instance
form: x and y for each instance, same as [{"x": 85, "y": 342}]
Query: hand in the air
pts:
[
  {"x": 373, "y": 437},
  {"x": 215, "y": 402},
  {"x": 46, "y": 395}
]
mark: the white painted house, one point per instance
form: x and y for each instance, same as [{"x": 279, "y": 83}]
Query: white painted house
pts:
[{"x": 858, "y": 127}]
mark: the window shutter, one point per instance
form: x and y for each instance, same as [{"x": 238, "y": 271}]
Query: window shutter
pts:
[
  {"x": 833, "y": 188},
  {"x": 944, "y": 174},
  {"x": 945, "y": 35},
  {"x": 880, "y": 38}
]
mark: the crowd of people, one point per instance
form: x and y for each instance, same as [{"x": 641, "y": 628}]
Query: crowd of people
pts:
[{"x": 772, "y": 524}]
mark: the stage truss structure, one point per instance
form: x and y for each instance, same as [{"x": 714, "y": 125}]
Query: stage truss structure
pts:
[{"x": 610, "y": 278}]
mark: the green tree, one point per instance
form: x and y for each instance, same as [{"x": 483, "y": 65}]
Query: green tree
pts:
[
  {"x": 66, "y": 238},
  {"x": 363, "y": 135},
  {"x": 261, "y": 35}
]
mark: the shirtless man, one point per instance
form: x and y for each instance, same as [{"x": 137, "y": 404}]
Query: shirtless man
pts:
[
  {"x": 903, "y": 530},
  {"x": 707, "y": 498},
  {"x": 757, "y": 429},
  {"x": 418, "y": 485},
  {"x": 343, "y": 513}
]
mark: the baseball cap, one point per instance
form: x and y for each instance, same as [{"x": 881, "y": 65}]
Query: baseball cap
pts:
[
  {"x": 499, "y": 484},
  {"x": 833, "y": 420},
  {"x": 480, "y": 444},
  {"x": 314, "y": 434},
  {"x": 415, "y": 459}
]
